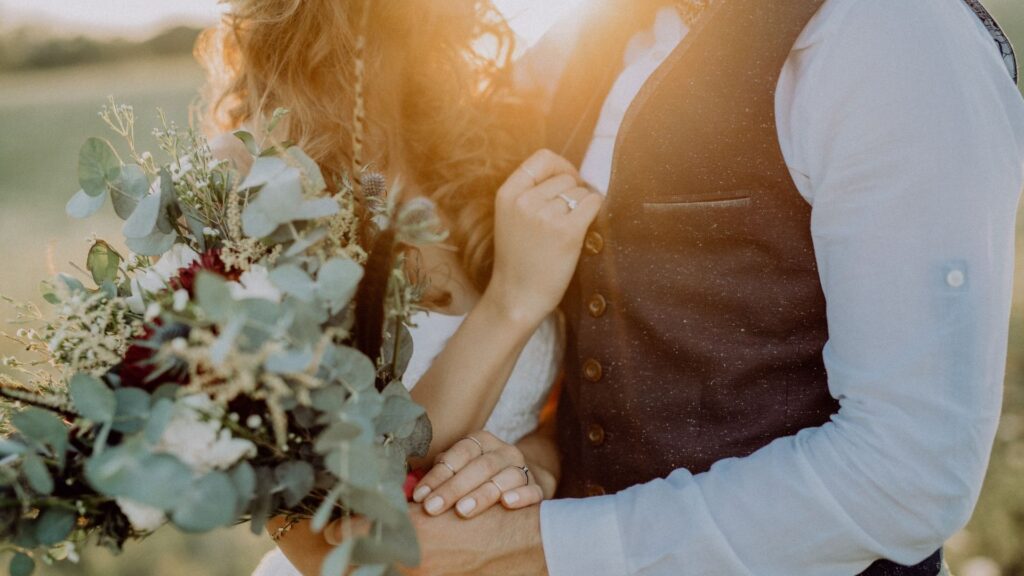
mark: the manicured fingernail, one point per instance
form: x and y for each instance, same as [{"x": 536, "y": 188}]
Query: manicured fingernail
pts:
[
  {"x": 420, "y": 493},
  {"x": 434, "y": 505},
  {"x": 466, "y": 506},
  {"x": 511, "y": 498}
]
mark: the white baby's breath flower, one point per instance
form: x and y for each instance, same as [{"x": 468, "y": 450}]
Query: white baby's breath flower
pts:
[
  {"x": 194, "y": 435},
  {"x": 142, "y": 517},
  {"x": 255, "y": 284},
  {"x": 180, "y": 300}
]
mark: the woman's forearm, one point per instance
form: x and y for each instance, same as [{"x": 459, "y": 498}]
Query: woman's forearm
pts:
[{"x": 465, "y": 382}]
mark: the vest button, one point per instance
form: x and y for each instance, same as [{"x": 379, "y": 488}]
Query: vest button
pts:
[
  {"x": 595, "y": 490},
  {"x": 597, "y": 305},
  {"x": 593, "y": 243},
  {"x": 595, "y": 434},
  {"x": 592, "y": 370}
]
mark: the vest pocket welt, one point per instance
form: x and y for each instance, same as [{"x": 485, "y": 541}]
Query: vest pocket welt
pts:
[{"x": 679, "y": 204}]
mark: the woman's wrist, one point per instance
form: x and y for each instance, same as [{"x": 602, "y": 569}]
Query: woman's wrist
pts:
[{"x": 507, "y": 312}]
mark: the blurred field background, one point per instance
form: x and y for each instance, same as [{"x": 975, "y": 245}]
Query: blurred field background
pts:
[{"x": 51, "y": 86}]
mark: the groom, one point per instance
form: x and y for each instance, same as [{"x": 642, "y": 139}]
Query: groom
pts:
[{"x": 789, "y": 325}]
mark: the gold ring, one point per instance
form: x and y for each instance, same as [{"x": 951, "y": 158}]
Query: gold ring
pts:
[
  {"x": 569, "y": 201},
  {"x": 448, "y": 466},
  {"x": 526, "y": 472},
  {"x": 477, "y": 442},
  {"x": 496, "y": 485}
]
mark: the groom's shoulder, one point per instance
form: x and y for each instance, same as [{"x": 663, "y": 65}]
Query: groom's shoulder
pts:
[{"x": 893, "y": 22}]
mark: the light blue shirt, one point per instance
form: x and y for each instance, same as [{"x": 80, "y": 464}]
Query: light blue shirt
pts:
[{"x": 904, "y": 132}]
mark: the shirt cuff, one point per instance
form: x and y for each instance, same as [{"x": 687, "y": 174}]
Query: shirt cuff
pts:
[{"x": 582, "y": 537}]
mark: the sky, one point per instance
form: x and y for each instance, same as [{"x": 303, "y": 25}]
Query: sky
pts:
[{"x": 140, "y": 18}]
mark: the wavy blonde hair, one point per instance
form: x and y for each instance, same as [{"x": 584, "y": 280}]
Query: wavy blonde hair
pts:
[{"x": 438, "y": 111}]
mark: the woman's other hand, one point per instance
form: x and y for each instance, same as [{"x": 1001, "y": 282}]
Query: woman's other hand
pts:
[
  {"x": 477, "y": 473},
  {"x": 542, "y": 214}
]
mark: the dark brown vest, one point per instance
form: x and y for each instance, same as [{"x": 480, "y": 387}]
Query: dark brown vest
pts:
[{"x": 696, "y": 318}]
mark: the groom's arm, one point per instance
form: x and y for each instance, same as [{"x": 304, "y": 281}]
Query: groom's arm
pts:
[{"x": 911, "y": 140}]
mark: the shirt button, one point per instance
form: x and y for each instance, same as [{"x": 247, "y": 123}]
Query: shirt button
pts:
[
  {"x": 592, "y": 370},
  {"x": 595, "y": 434},
  {"x": 956, "y": 278},
  {"x": 593, "y": 243},
  {"x": 597, "y": 305},
  {"x": 595, "y": 490}
]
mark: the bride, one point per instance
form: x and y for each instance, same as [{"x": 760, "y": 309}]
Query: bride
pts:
[{"x": 439, "y": 115}]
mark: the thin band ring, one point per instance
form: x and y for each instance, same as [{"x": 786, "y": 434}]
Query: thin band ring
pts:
[
  {"x": 477, "y": 442},
  {"x": 530, "y": 174},
  {"x": 496, "y": 485},
  {"x": 526, "y": 472},
  {"x": 569, "y": 201},
  {"x": 448, "y": 466}
]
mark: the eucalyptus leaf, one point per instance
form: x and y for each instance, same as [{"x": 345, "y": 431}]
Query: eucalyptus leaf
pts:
[
  {"x": 309, "y": 168},
  {"x": 213, "y": 296},
  {"x": 129, "y": 471},
  {"x": 98, "y": 166},
  {"x": 92, "y": 398},
  {"x": 338, "y": 280},
  {"x": 159, "y": 417},
  {"x": 337, "y": 561},
  {"x": 294, "y": 281},
  {"x": 243, "y": 476},
  {"x": 289, "y": 361},
  {"x": 156, "y": 244},
  {"x": 22, "y": 565},
  {"x": 306, "y": 241},
  {"x": 373, "y": 570},
  {"x": 335, "y": 435},
  {"x": 351, "y": 366},
  {"x": 55, "y": 525},
  {"x": 359, "y": 465},
  {"x": 132, "y": 410},
  {"x": 49, "y": 292},
  {"x": 42, "y": 427},
  {"x": 71, "y": 283},
  {"x": 316, "y": 208},
  {"x": 263, "y": 170},
  {"x": 399, "y": 414},
  {"x": 144, "y": 217},
  {"x": 39, "y": 478},
  {"x": 169, "y": 210},
  {"x": 207, "y": 504},
  {"x": 263, "y": 500},
  {"x": 226, "y": 341},
  {"x": 8, "y": 447},
  {"x": 129, "y": 188},
  {"x": 249, "y": 141},
  {"x": 325, "y": 510},
  {"x": 295, "y": 480},
  {"x": 82, "y": 205},
  {"x": 396, "y": 543}
]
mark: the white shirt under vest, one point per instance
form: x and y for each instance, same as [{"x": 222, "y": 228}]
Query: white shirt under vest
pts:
[{"x": 903, "y": 131}]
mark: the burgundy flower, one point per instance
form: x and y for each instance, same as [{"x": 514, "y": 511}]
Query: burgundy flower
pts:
[
  {"x": 209, "y": 261},
  {"x": 140, "y": 369}
]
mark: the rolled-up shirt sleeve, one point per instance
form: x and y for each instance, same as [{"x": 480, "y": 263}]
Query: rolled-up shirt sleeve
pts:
[{"x": 905, "y": 134}]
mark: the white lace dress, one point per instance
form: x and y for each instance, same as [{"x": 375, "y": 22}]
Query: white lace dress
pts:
[{"x": 516, "y": 413}]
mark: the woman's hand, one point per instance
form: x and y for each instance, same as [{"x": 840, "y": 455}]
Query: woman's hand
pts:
[
  {"x": 542, "y": 213},
  {"x": 477, "y": 473}
]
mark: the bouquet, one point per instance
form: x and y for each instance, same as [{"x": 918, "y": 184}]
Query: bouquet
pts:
[{"x": 242, "y": 361}]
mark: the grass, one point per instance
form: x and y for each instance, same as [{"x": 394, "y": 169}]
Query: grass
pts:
[{"x": 44, "y": 118}]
